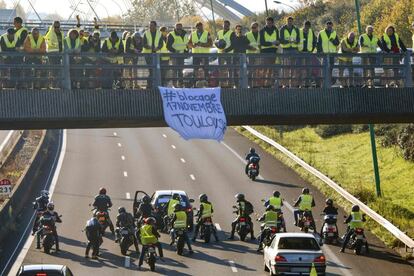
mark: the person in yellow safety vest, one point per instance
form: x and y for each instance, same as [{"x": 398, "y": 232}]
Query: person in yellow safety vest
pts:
[
  {"x": 35, "y": 44},
  {"x": 270, "y": 219},
  {"x": 253, "y": 37},
  {"x": 269, "y": 42},
  {"x": 276, "y": 201},
  {"x": 355, "y": 220},
  {"x": 179, "y": 222},
  {"x": 20, "y": 32},
  {"x": 92, "y": 47},
  {"x": 165, "y": 58},
  {"x": 73, "y": 46},
  {"x": 368, "y": 44},
  {"x": 127, "y": 59},
  {"x": 114, "y": 47},
  {"x": 224, "y": 38},
  {"x": 152, "y": 43},
  {"x": 149, "y": 235},
  {"x": 327, "y": 39},
  {"x": 289, "y": 40},
  {"x": 349, "y": 45},
  {"x": 8, "y": 44},
  {"x": 307, "y": 44},
  {"x": 204, "y": 212},
  {"x": 305, "y": 202},
  {"x": 54, "y": 44},
  {"x": 177, "y": 43}
]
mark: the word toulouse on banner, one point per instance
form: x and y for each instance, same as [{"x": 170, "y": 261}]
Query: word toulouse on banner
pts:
[{"x": 194, "y": 113}]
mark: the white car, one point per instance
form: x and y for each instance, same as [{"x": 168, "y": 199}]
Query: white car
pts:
[{"x": 293, "y": 254}]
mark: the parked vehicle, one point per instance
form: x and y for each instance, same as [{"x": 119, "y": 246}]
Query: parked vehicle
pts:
[{"x": 44, "y": 269}]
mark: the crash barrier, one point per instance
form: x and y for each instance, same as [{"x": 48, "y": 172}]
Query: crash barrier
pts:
[
  {"x": 7, "y": 146},
  {"x": 409, "y": 243},
  {"x": 144, "y": 71}
]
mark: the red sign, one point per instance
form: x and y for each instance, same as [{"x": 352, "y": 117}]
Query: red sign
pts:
[{"x": 5, "y": 187}]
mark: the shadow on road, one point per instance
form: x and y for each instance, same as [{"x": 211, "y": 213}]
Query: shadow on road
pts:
[
  {"x": 201, "y": 256},
  {"x": 287, "y": 185},
  {"x": 228, "y": 246}
]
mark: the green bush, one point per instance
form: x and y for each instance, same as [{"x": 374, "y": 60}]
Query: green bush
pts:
[
  {"x": 326, "y": 131},
  {"x": 360, "y": 128},
  {"x": 406, "y": 142}
]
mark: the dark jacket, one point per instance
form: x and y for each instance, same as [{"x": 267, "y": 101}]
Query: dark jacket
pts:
[
  {"x": 144, "y": 210},
  {"x": 393, "y": 45},
  {"x": 102, "y": 202},
  {"x": 125, "y": 220},
  {"x": 330, "y": 210}
]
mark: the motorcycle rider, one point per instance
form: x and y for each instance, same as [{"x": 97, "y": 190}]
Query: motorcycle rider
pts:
[
  {"x": 40, "y": 205},
  {"x": 125, "y": 219},
  {"x": 269, "y": 218},
  {"x": 101, "y": 203},
  {"x": 149, "y": 235},
  {"x": 305, "y": 203},
  {"x": 49, "y": 218},
  {"x": 94, "y": 236},
  {"x": 144, "y": 209},
  {"x": 277, "y": 202},
  {"x": 175, "y": 199},
  {"x": 179, "y": 221},
  {"x": 252, "y": 153},
  {"x": 355, "y": 220},
  {"x": 205, "y": 211},
  {"x": 244, "y": 209},
  {"x": 329, "y": 210}
]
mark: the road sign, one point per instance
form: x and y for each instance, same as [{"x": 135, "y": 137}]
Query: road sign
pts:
[{"x": 5, "y": 187}]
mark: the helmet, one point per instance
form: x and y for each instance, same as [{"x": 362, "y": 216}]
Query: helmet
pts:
[
  {"x": 176, "y": 196},
  {"x": 221, "y": 44},
  {"x": 149, "y": 220},
  {"x": 203, "y": 198},
  {"x": 239, "y": 196},
  {"x": 44, "y": 193},
  {"x": 276, "y": 193},
  {"x": 305, "y": 191},
  {"x": 252, "y": 150},
  {"x": 355, "y": 208},
  {"x": 50, "y": 206},
  {"x": 177, "y": 207},
  {"x": 121, "y": 210},
  {"x": 329, "y": 202},
  {"x": 102, "y": 191},
  {"x": 270, "y": 208},
  {"x": 146, "y": 199}
]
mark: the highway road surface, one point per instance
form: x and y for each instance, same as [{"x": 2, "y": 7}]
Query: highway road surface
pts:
[{"x": 126, "y": 160}]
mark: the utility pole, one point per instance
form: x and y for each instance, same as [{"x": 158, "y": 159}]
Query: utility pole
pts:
[
  {"x": 371, "y": 127},
  {"x": 267, "y": 10},
  {"x": 214, "y": 20}
]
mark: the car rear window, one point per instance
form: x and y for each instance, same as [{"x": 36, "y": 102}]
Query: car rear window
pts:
[
  {"x": 41, "y": 273},
  {"x": 295, "y": 243},
  {"x": 162, "y": 199}
]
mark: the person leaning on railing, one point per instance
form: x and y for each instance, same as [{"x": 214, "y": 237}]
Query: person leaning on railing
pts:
[
  {"x": 113, "y": 47},
  {"x": 152, "y": 43},
  {"x": 133, "y": 46},
  {"x": 72, "y": 45},
  {"x": 224, "y": 45},
  {"x": 177, "y": 42},
  {"x": 240, "y": 45},
  {"x": 8, "y": 45},
  {"x": 349, "y": 45},
  {"x": 327, "y": 42},
  {"x": 164, "y": 58},
  {"x": 392, "y": 44},
  {"x": 253, "y": 36},
  {"x": 92, "y": 47},
  {"x": 269, "y": 42},
  {"x": 20, "y": 36},
  {"x": 35, "y": 45},
  {"x": 289, "y": 39},
  {"x": 54, "y": 44},
  {"x": 307, "y": 45},
  {"x": 368, "y": 44}
]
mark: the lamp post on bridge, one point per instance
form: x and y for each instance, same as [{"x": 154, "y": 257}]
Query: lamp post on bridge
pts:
[
  {"x": 287, "y": 5},
  {"x": 371, "y": 127},
  {"x": 267, "y": 10}
]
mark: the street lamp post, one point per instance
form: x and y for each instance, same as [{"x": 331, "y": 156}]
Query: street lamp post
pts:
[
  {"x": 281, "y": 3},
  {"x": 371, "y": 127},
  {"x": 212, "y": 14},
  {"x": 267, "y": 10}
]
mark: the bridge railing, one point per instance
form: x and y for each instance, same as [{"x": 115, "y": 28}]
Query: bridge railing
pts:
[{"x": 142, "y": 71}]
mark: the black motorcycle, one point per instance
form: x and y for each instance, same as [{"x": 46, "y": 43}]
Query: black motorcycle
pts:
[
  {"x": 253, "y": 168},
  {"x": 150, "y": 256},
  {"x": 357, "y": 241},
  {"x": 127, "y": 239},
  {"x": 206, "y": 229},
  {"x": 306, "y": 221},
  {"x": 48, "y": 239},
  {"x": 179, "y": 236},
  {"x": 242, "y": 226}
]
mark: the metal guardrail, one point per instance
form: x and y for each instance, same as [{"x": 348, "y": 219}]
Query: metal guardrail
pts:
[
  {"x": 371, "y": 213},
  {"x": 105, "y": 71}
]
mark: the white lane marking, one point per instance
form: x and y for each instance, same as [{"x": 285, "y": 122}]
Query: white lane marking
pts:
[
  {"x": 127, "y": 261},
  {"x": 182, "y": 160},
  {"x": 328, "y": 251},
  {"x": 163, "y": 135},
  {"x": 192, "y": 177},
  {"x": 119, "y": 145},
  {"x": 233, "y": 266},
  {"x": 20, "y": 258},
  {"x": 122, "y": 157},
  {"x": 174, "y": 147},
  {"x": 115, "y": 134},
  {"x": 125, "y": 173},
  {"x": 217, "y": 226},
  {"x": 128, "y": 195}
]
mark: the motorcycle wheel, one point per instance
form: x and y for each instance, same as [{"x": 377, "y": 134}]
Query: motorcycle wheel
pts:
[
  {"x": 253, "y": 177},
  {"x": 358, "y": 247},
  {"x": 242, "y": 235},
  {"x": 123, "y": 246},
  {"x": 207, "y": 234},
  {"x": 180, "y": 246},
  {"x": 47, "y": 244},
  {"x": 151, "y": 262}
]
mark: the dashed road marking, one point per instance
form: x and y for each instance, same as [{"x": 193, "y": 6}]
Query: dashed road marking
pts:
[
  {"x": 217, "y": 226},
  {"x": 115, "y": 134},
  {"x": 122, "y": 157},
  {"x": 182, "y": 160},
  {"x": 233, "y": 266},
  {"x": 163, "y": 135},
  {"x": 119, "y": 145},
  {"x": 192, "y": 177},
  {"x": 174, "y": 147},
  {"x": 127, "y": 261},
  {"x": 125, "y": 173},
  {"x": 128, "y": 195}
]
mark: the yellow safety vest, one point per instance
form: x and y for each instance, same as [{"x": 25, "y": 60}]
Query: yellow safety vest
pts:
[
  {"x": 356, "y": 221},
  {"x": 253, "y": 43},
  {"x": 148, "y": 35},
  {"x": 181, "y": 220},
  {"x": 349, "y": 46},
  {"x": 146, "y": 235},
  {"x": 68, "y": 44},
  {"x": 270, "y": 38},
  {"x": 327, "y": 45},
  {"x": 387, "y": 40},
  {"x": 207, "y": 210},
  {"x": 9, "y": 44},
  {"x": 271, "y": 218},
  {"x": 226, "y": 37},
  {"x": 276, "y": 202},
  {"x": 171, "y": 203},
  {"x": 288, "y": 36},
  {"x": 52, "y": 40},
  {"x": 370, "y": 45},
  {"x": 18, "y": 33},
  {"x": 310, "y": 37},
  {"x": 305, "y": 202},
  {"x": 180, "y": 43},
  {"x": 36, "y": 44},
  {"x": 203, "y": 39},
  {"x": 164, "y": 50}
]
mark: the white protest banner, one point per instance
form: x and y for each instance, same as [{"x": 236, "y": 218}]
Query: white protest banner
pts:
[{"x": 194, "y": 113}]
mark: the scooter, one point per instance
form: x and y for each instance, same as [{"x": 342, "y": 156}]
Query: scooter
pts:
[
  {"x": 253, "y": 168},
  {"x": 330, "y": 229}
]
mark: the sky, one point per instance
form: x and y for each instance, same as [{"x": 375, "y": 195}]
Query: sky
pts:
[{"x": 114, "y": 7}]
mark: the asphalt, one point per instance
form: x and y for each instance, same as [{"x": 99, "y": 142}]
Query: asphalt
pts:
[{"x": 126, "y": 160}]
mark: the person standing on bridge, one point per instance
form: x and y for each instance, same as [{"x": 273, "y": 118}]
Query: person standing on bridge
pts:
[
  {"x": 72, "y": 45},
  {"x": 20, "y": 36},
  {"x": 224, "y": 46},
  {"x": 253, "y": 37},
  {"x": 152, "y": 43},
  {"x": 327, "y": 42},
  {"x": 164, "y": 57},
  {"x": 368, "y": 44},
  {"x": 35, "y": 44},
  {"x": 113, "y": 47},
  {"x": 269, "y": 42},
  {"x": 289, "y": 39},
  {"x": 133, "y": 46},
  {"x": 349, "y": 45},
  {"x": 93, "y": 47},
  {"x": 54, "y": 44},
  {"x": 307, "y": 45},
  {"x": 8, "y": 44},
  {"x": 177, "y": 42}
]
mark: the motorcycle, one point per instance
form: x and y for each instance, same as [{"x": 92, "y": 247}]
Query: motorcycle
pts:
[
  {"x": 242, "y": 226},
  {"x": 102, "y": 219},
  {"x": 357, "y": 240},
  {"x": 270, "y": 231},
  {"x": 179, "y": 235},
  {"x": 306, "y": 221},
  {"x": 151, "y": 256},
  {"x": 48, "y": 239},
  {"x": 206, "y": 229},
  {"x": 329, "y": 230},
  {"x": 253, "y": 168},
  {"x": 127, "y": 239}
]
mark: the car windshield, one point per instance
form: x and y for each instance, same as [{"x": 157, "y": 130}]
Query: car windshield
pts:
[
  {"x": 296, "y": 243},
  {"x": 162, "y": 199}
]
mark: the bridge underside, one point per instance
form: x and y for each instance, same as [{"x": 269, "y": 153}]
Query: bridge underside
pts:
[{"x": 114, "y": 109}]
